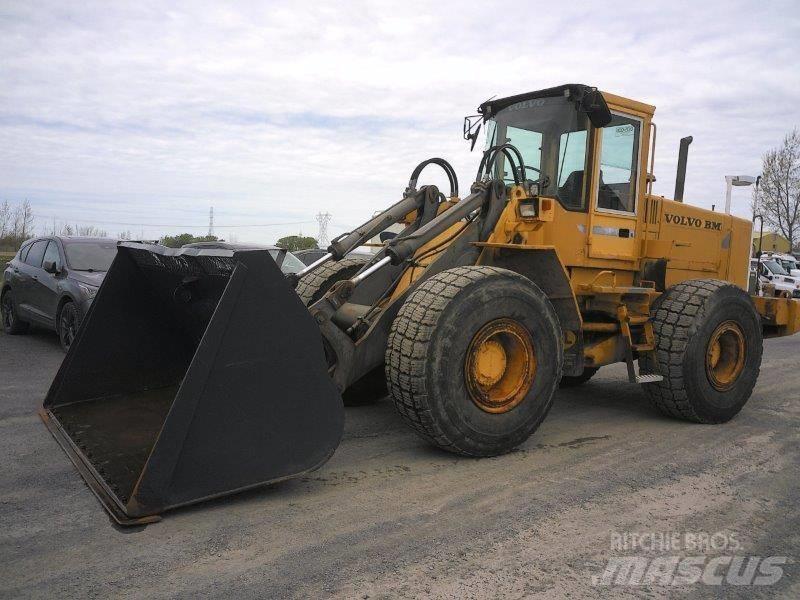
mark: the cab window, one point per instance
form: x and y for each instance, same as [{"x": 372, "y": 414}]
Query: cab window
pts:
[
  {"x": 529, "y": 143},
  {"x": 619, "y": 157},
  {"x": 571, "y": 168}
]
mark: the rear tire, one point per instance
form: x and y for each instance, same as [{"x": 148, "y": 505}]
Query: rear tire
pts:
[
  {"x": 12, "y": 324},
  {"x": 709, "y": 347},
  {"x": 314, "y": 285},
  {"x": 568, "y": 381},
  {"x": 432, "y": 369}
]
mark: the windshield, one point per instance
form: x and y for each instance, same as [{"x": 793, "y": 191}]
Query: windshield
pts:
[
  {"x": 789, "y": 265},
  {"x": 774, "y": 267},
  {"x": 552, "y": 137},
  {"x": 90, "y": 256},
  {"x": 290, "y": 264}
]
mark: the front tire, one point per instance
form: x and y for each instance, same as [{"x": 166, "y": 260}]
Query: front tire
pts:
[
  {"x": 12, "y": 324},
  {"x": 474, "y": 358},
  {"x": 709, "y": 346},
  {"x": 68, "y": 323}
]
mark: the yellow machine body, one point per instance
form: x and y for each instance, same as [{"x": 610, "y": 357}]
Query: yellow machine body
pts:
[{"x": 604, "y": 268}]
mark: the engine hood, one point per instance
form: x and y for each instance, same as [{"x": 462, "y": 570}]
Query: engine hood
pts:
[{"x": 88, "y": 278}]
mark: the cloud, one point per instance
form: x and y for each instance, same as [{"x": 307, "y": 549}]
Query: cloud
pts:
[{"x": 272, "y": 112}]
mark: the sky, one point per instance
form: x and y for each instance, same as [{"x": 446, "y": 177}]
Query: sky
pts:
[{"x": 141, "y": 116}]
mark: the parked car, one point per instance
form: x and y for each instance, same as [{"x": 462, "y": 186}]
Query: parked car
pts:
[
  {"x": 287, "y": 261},
  {"x": 52, "y": 281},
  {"x": 770, "y": 271},
  {"x": 789, "y": 263}
]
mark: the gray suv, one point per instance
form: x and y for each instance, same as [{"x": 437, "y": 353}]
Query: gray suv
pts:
[{"x": 51, "y": 282}]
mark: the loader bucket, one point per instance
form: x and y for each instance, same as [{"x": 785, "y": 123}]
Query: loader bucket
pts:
[{"x": 195, "y": 374}]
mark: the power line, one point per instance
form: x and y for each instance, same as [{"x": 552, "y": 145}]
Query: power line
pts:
[{"x": 140, "y": 224}]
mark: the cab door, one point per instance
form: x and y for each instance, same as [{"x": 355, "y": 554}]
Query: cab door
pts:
[{"x": 613, "y": 220}]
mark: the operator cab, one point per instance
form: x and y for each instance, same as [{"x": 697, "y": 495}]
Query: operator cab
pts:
[
  {"x": 588, "y": 151},
  {"x": 552, "y": 129}
]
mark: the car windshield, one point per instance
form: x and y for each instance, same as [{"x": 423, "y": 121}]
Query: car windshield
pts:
[
  {"x": 789, "y": 265},
  {"x": 90, "y": 256},
  {"x": 774, "y": 267},
  {"x": 552, "y": 137},
  {"x": 290, "y": 264}
]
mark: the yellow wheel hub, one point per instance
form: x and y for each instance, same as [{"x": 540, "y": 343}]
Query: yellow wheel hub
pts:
[
  {"x": 490, "y": 364},
  {"x": 725, "y": 356},
  {"x": 500, "y": 365}
]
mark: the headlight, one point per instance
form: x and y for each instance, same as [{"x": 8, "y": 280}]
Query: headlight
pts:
[
  {"x": 89, "y": 290},
  {"x": 528, "y": 209}
]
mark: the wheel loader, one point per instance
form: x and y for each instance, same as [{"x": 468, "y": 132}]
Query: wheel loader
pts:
[{"x": 198, "y": 373}]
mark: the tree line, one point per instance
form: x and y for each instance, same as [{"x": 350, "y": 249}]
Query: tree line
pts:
[
  {"x": 16, "y": 225},
  {"x": 777, "y": 197}
]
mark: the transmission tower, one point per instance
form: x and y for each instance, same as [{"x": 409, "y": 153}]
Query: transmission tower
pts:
[
  {"x": 211, "y": 222},
  {"x": 322, "y": 237}
]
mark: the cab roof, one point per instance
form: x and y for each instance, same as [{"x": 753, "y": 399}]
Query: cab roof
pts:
[
  {"x": 572, "y": 90},
  {"x": 578, "y": 91}
]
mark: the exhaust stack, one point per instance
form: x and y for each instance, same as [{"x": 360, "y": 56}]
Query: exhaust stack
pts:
[{"x": 680, "y": 178}]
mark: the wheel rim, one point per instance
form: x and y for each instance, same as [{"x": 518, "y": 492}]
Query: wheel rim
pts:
[
  {"x": 7, "y": 312},
  {"x": 500, "y": 365},
  {"x": 725, "y": 356},
  {"x": 67, "y": 327}
]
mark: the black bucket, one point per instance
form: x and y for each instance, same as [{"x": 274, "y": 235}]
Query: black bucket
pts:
[{"x": 195, "y": 374}]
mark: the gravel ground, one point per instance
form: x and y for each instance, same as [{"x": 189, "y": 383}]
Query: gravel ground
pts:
[{"x": 389, "y": 516}]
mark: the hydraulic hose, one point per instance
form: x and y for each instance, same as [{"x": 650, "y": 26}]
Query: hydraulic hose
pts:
[
  {"x": 490, "y": 156},
  {"x": 446, "y": 166}
]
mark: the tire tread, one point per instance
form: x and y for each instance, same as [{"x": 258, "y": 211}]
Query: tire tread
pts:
[
  {"x": 677, "y": 314},
  {"x": 324, "y": 277},
  {"x": 406, "y": 353}
]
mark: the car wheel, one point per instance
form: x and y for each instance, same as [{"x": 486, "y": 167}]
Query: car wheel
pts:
[
  {"x": 68, "y": 321},
  {"x": 8, "y": 313}
]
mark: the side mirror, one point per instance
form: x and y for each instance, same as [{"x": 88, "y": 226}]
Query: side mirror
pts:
[
  {"x": 472, "y": 127},
  {"x": 50, "y": 267}
]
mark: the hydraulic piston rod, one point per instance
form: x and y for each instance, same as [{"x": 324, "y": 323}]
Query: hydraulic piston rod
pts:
[
  {"x": 400, "y": 249},
  {"x": 320, "y": 261}
]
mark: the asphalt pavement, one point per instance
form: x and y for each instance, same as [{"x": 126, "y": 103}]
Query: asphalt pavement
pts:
[{"x": 606, "y": 476}]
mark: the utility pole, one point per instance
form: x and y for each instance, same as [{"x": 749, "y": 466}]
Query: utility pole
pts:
[{"x": 322, "y": 236}]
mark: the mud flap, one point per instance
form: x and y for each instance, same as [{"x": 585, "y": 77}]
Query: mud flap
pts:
[{"x": 195, "y": 374}]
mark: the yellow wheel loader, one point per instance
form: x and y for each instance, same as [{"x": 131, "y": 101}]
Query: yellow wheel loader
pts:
[{"x": 198, "y": 373}]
